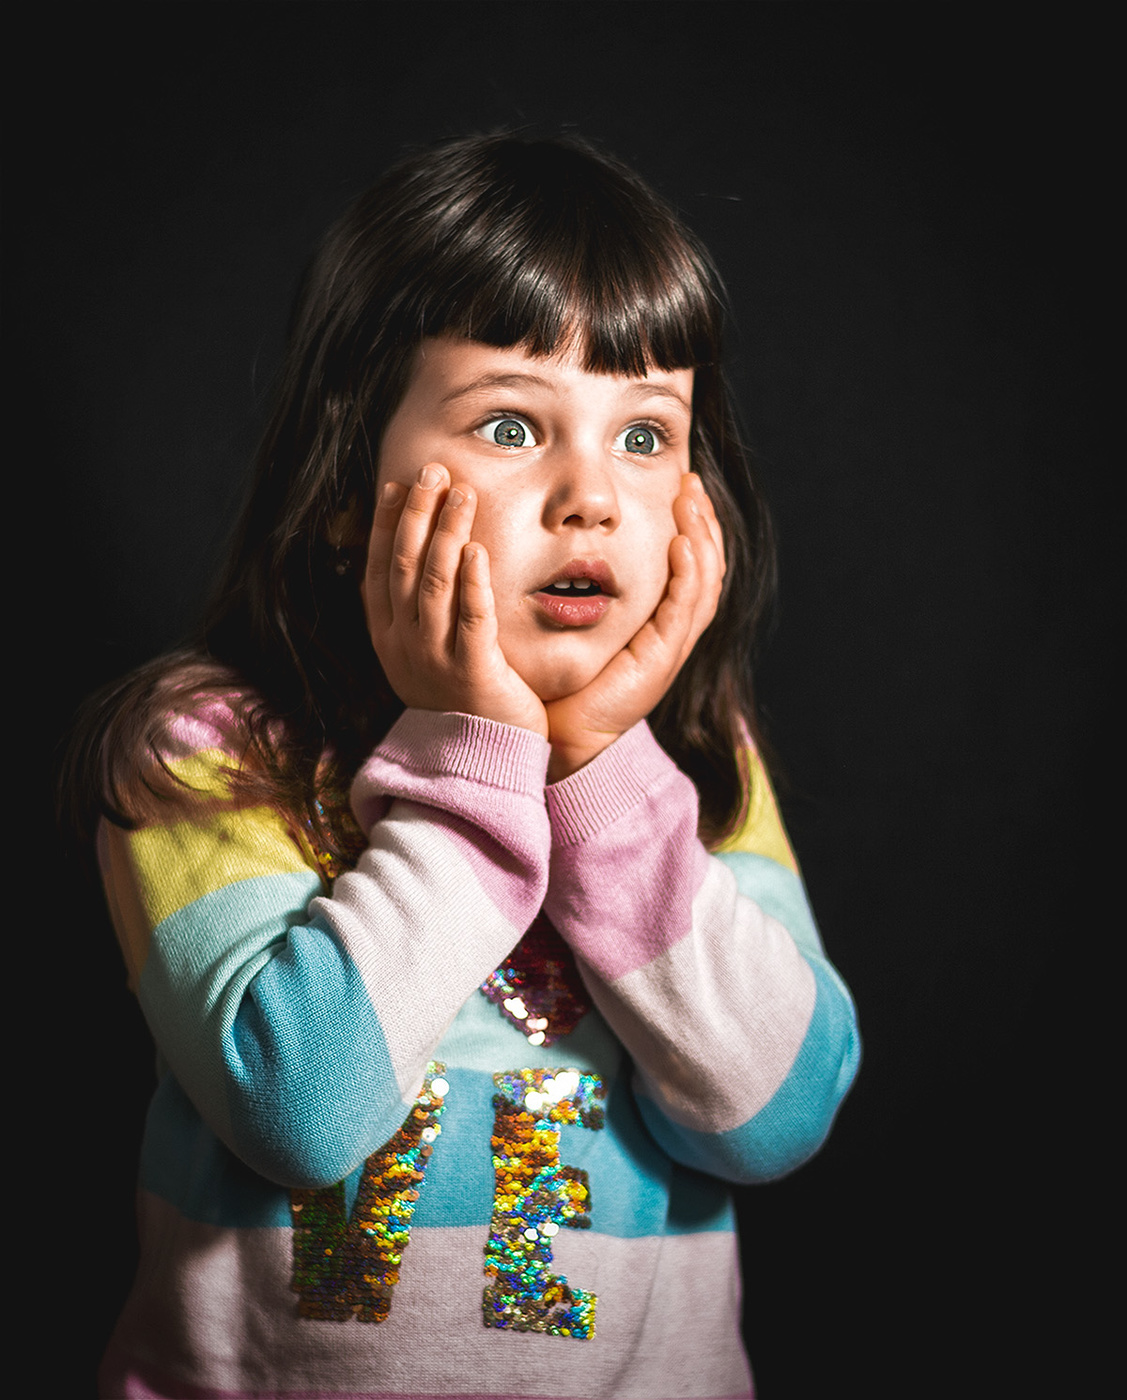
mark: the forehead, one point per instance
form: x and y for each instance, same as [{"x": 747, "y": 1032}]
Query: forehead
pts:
[{"x": 447, "y": 370}]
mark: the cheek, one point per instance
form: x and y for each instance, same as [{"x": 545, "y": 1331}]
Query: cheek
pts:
[
  {"x": 506, "y": 523},
  {"x": 652, "y": 550},
  {"x": 400, "y": 456}
]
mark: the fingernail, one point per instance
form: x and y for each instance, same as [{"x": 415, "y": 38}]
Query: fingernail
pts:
[
  {"x": 391, "y": 493},
  {"x": 454, "y": 497},
  {"x": 429, "y": 478}
]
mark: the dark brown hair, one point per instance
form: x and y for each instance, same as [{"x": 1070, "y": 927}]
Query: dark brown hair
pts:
[{"x": 509, "y": 242}]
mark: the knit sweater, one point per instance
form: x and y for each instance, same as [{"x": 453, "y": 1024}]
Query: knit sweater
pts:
[{"x": 458, "y": 1122}]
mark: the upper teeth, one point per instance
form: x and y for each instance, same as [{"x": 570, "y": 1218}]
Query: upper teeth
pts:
[{"x": 572, "y": 583}]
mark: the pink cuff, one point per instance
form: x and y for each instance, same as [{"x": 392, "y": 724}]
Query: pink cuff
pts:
[
  {"x": 423, "y": 747},
  {"x": 627, "y": 773}
]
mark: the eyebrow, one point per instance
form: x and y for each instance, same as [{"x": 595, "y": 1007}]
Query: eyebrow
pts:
[
  {"x": 513, "y": 379},
  {"x": 520, "y": 379}
]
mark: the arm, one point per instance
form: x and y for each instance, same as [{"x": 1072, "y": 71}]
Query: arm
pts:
[
  {"x": 300, "y": 1023},
  {"x": 708, "y": 968}
]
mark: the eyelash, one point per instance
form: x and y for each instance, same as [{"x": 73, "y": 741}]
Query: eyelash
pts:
[
  {"x": 504, "y": 417},
  {"x": 660, "y": 432}
]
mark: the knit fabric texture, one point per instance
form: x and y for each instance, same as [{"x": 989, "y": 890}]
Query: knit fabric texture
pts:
[{"x": 460, "y": 1122}]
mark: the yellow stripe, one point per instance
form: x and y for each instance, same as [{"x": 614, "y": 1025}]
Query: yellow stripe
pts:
[
  {"x": 216, "y": 844},
  {"x": 762, "y": 832}
]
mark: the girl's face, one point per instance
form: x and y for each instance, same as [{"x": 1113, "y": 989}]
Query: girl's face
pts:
[{"x": 575, "y": 475}]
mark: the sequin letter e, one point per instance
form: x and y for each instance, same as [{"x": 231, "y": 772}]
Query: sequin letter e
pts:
[
  {"x": 343, "y": 1270},
  {"x": 534, "y": 1194}
]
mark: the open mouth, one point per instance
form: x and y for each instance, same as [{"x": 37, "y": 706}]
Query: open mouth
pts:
[
  {"x": 572, "y": 588},
  {"x": 580, "y": 578},
  {"x": 579, "y": 595}
]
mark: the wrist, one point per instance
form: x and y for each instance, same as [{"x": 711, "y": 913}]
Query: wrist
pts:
[{"x": 566, "y": 759}]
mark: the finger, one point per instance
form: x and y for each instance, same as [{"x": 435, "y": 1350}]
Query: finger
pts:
[
  {"x": 709, "y": 512},
  {"x": 377, "y": 572},
  {"x": 678, "y": 609},
  {"x": 477, "y": 612},
  {"x": 498, "y": 691},
  {"x": 697, "y": 516},
  {"x": 412, "y": 537},
  {"x": 438, "y": 579},
  {"x": 693, "y": 491},
  {"x": 697, "y": 521},
  {"x": 664, "y": 640}
]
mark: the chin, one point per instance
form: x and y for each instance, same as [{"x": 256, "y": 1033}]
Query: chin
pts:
[{"x": 565, "y": 676}]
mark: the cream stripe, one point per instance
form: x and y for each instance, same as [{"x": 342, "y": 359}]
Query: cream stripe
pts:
[
  {"x": 424, "y": 934},
  {"x": 748, "y": 993},
  {"x": 667, "y": 1319}
]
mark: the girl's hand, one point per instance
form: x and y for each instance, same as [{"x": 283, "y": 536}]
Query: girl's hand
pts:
[
  {"x": 430, "y": 606},
  {"x": 582, "y": 725}
]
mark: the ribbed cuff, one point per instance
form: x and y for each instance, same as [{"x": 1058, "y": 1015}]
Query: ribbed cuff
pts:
[
  {"x": 440, "y": 745},
  {"x": 604, "y": 790}
]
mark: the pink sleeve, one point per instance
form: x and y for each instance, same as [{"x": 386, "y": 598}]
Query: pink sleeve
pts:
[
  {"x": 300, "y": 1023},
  {"x": 709, "y": 994},
  {"x": 455, "y": 871}
]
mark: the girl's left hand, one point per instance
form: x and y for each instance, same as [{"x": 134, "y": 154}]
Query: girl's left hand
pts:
[{"x": 582, "y": 725}]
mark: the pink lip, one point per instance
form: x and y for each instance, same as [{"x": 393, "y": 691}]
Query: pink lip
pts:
[{"x": 578, "y": 611}]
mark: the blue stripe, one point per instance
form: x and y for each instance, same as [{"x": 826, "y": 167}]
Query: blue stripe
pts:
[
  {"x": 635, "y": 1189},
  {"x": 630, "y": 1177},
  {"x": 311, "y": 1081},
  {"x": 184, "y": 1163},
  {"x": 267, "y": 1024},
  {"x": 481, "y": 1037},
  {"x": 779, "y": 892},
  {"x": 795, "y": 1123},
  {"x": 201, "y": 959}
]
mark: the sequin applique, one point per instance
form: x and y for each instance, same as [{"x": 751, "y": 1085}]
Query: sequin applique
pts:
[
  {"x": 344, "y": 1269},
  {"x": 534, "y": 1195},
  {"x": 350, "y": 841},
  {"x": 538, "y": 987}
]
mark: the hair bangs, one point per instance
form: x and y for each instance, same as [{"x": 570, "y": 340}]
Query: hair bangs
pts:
[
  {"x": 554, "y": 250},
  {"x": 545, "y": 245}
]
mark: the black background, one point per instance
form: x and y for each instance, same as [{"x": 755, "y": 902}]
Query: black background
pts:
[{"x": 909, "y": 204}]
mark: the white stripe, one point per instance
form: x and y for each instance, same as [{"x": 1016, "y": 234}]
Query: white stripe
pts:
[
  {"x": 716, "y": 1021},
  {"x": 423, "y": 933},
  {"x": 667, "y": 1319}
]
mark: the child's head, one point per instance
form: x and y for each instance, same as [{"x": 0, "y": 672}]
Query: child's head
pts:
[
  {"x": 573, "y": 476},
  {"x": 546, "y": 250}
]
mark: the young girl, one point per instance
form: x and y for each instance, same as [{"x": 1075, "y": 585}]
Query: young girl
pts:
[{"x": 461, "y": 1026}]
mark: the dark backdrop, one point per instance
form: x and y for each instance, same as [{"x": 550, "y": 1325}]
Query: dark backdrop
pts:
[{"x": 908, "y": 204}]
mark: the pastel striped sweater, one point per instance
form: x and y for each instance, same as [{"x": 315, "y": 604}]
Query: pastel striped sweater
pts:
[{"x": 413, "y": 1137}]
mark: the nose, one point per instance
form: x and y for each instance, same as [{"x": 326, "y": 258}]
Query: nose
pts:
[{"x": 582, "y": 492}]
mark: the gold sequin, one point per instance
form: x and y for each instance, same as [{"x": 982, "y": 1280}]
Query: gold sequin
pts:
[
  {"x": 341, "y": 844},
  {"x": 534, "y": 1195},
  {"x": 344, "y": 1269}
]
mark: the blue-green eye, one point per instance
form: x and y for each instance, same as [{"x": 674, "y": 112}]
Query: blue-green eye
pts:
[
  {"x": 639, "y": 439},
  {"x": 508, "y": 432}
]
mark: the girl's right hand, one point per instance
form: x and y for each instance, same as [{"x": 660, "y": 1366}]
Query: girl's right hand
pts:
[{"x": 430, "y": 606}]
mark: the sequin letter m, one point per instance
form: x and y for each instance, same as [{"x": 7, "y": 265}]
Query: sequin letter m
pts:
[
  {"x": 349, "y": 1268},
  {"x": 534, "y": 1195}
]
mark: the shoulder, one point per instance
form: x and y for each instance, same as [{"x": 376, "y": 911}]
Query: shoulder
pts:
[
  {"x": 175, "y": 730},
  {"x": 760, "y": 830},
  {"x": 197, "y": 717}
]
